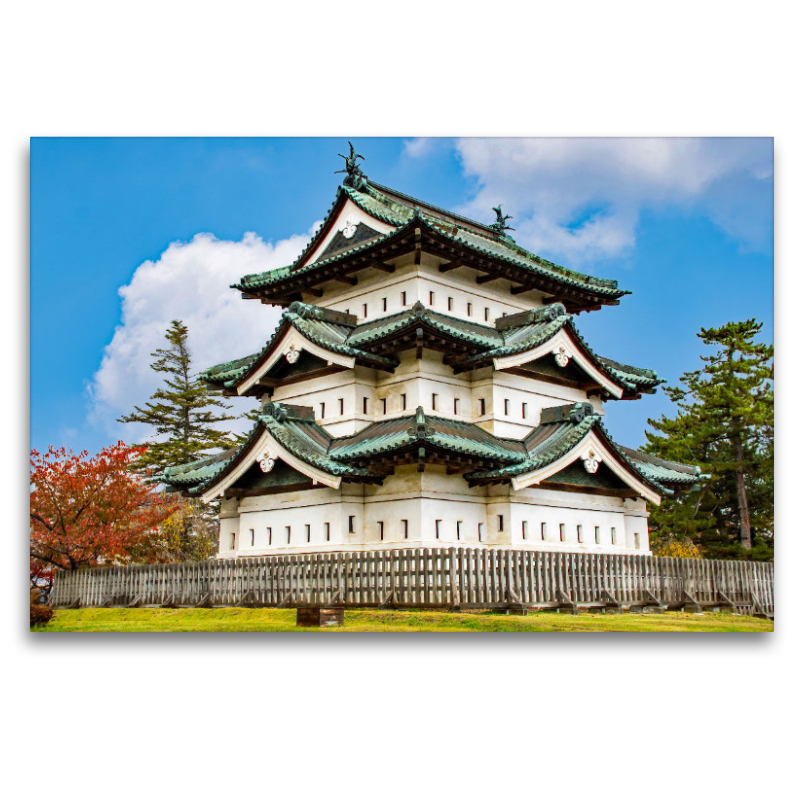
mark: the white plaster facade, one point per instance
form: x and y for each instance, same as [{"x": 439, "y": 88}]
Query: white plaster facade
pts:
[{"x": 430, "y": 508}]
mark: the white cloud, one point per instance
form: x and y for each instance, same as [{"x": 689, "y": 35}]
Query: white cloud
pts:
[
  {"x": 190, "y": 281},
  {"x": 580, "y": 199}
]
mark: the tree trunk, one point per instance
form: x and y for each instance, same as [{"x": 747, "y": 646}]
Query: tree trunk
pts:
[{"x": 744, "y": 512}]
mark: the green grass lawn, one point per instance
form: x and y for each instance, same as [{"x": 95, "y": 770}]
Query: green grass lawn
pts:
[{"x": 378, "y": 620}]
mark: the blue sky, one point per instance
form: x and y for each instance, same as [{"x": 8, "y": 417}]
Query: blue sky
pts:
[{"x": 127, "y": 234}]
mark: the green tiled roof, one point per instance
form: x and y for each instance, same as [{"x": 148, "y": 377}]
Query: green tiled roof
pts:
[
  {"x": 562, "y": 429},
  {"x": 382, "y": 204},
  {"x": 488, "y": 342}
]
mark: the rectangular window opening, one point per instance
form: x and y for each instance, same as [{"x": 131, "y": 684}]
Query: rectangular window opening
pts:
[
  {"x": 405, "y": 528},
  {"x": 308, "y": 533},
  {"x": 524, "y": 411},
  {"x": 380, "y": 529},
  {"x": 383, "y": 405},
  {"x": 252, "y": 538},
  {"x": 597, "y": 535},
  {"x": 365, "y": 405},
  {"x": 449, "y": 303},
  {"x": 341, "y": 406},
  {"x": 327, "y": 531},
  {"x": 580, "y": 534},
  {"x": 458, "y": 530},
  {"x": 469, "y": 309},
  {"x": 480, "y": 531},
  {"x": 364, "y": 309},
  {"x": 524, "y": 529},
  {"x": 405, "y": 401},
  {"x": 384, "y": 303},
  {"x": 544, "y": 531},
  {"x": 613, "y": 536},
  {"x": 351, "y": 524},
  {"x": 482, "y": 402},
  {"x": 499, "y": 522},
  {"x": 433, "y": 401},
  {"x": 562, "y": 532},
  {"x": 438, "y": 526},
  {"x": 636, "y": 540},
  {"x": 322, "y": 410},
  {"x": 288, "y": 534},
  {"x": 431, "y": 297},
  {"x": 455, "y": 405},
  {"x": 403, "y": 298},
  {"x": 269, "y": 536},
  {"x": 506, "y": 407},
  {"x": 486, "y": 314},
  {"x": 233, "y": 541}
]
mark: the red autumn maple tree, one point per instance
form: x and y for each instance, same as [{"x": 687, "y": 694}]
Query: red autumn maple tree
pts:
[{"x": 90, "y": 510}]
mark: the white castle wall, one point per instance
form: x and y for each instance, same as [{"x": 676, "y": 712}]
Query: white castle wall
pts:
[{"x": 410, "y": 503}]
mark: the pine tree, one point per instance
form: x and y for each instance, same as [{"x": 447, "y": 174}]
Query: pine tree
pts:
[
  {"x": 725, "y": 424},
  {"x": 181, "y": 411}
]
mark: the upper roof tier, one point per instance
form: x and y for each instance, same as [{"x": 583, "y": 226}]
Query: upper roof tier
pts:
[{"x": 396, "y": 225}]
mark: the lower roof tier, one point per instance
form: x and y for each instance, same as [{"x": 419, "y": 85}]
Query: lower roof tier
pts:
[
  {"x": 569, "y": 450},
  {"x": 541, "y": 341}
]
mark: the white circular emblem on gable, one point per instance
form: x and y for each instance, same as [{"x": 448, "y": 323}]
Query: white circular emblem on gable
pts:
[
  {"x": 266, "y": 462},
  {"x": 349, "y": 229},
  {"x": 562, "y": 355},
  {"x": 292, "y": 354},
  {"x": 591, "y": 462}
]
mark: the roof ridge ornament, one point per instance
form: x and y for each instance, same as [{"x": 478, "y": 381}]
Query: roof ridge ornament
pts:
[
  {"x": 420, "y": 429},
  {"x": 356, "y": 179},
  {"x": 499, "y": 225}
]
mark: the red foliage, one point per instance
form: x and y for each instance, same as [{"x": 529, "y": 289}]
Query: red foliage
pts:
[{"x": 87, "y": 511}]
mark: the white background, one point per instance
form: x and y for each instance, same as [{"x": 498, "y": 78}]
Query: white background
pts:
[{"x": 395, "y": 716}]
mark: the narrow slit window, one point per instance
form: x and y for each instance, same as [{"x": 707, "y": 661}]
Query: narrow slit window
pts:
[
  {"x": 458, "y": 530},
  {"x": 449, "y": 303},
  {"x": 597, "y": 535},
  {"x": 636, "y": 540},
  {"x": 384, "y": 303},
  {"x": 233, "y": 541},
  {"x": 562, "y": 531},
  {"x": 351, "y": 524},
  {"x": 544, "y": 531},
  {"x": 403, "y": 298},
  {"x": 308, "y": 533},
  {"x": 364, "y": 309},
  {"x": 506, "y": 407},
  {"x": 431, "y": 298},
  {"x": 469, "y": 309},
  {"x": 433, "y": 401},
  {"x": 499, "y": 522},
  {"x": 524, "y": 411},
  {"x": 252, "y": 537},
  {"x": 341, "y": 406},
  {"x": 405, "y": 528},
  {"x": 322, "y": 410},
  {"x": 486, "y": 314},
  {"x": 405, "y": 401},
  {"x": 613, "y": 536},
  {"x": 482, "y": 402},
  {"x": 580, "y": 534},
  {"x": 269, "y": 536},
  {"x": 327, "y": 531},
  {"x": 455, "y": 405},
  {"x": 288, "y": 534},
  {"x": 438, "y": 527},
  {"x": 365, "y": 405},
  {"x": 480, "y": 531},
  {"x": 524, "y": 529},
  {"x": 383, "y": 405},
  {"x": 380, "y": 529}
]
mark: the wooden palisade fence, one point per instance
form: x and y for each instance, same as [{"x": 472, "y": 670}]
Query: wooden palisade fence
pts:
[{"x": 430, "y": 578}]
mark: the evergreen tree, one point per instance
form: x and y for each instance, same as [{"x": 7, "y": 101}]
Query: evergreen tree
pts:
[
  {"x": 725, "y": 424},
  {"x": 182, "y": 412}
]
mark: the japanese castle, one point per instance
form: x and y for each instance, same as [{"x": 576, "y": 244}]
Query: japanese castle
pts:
[{"x": 427, "y": 386}]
